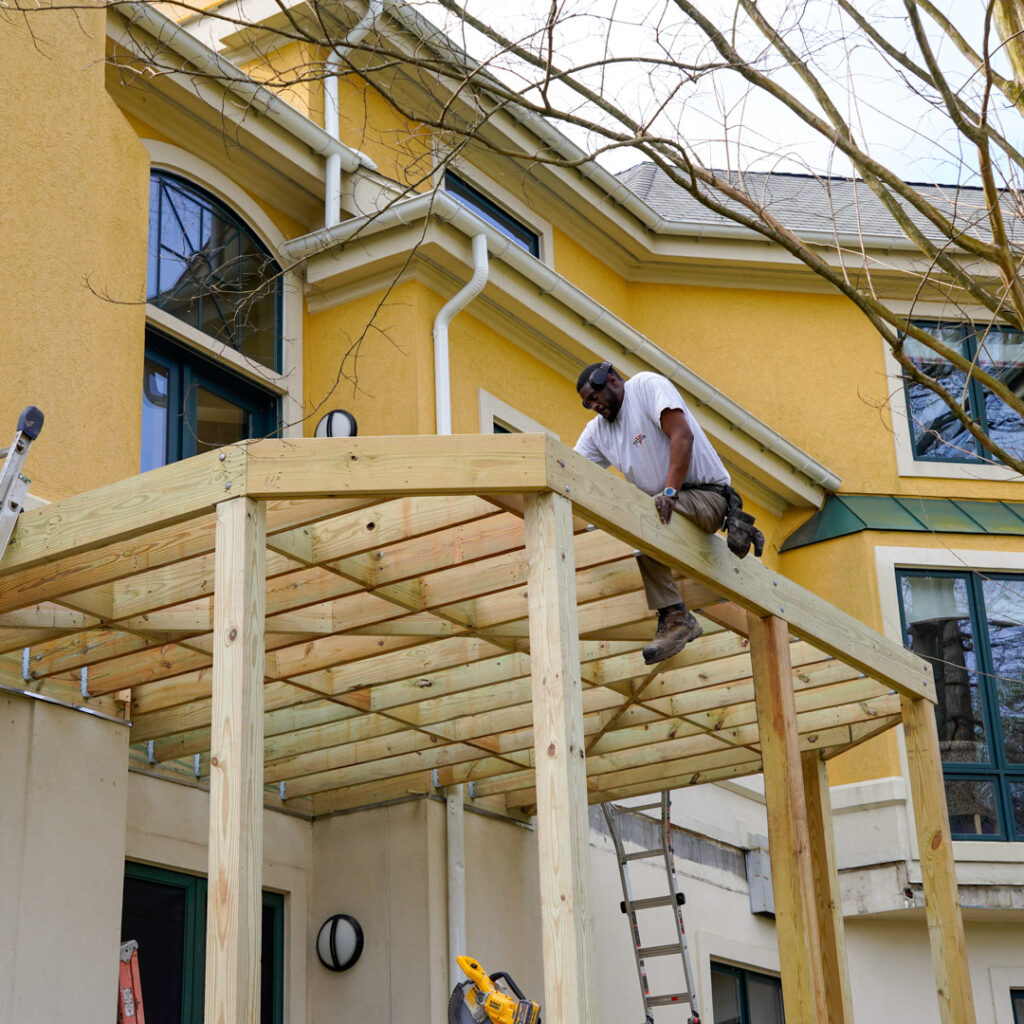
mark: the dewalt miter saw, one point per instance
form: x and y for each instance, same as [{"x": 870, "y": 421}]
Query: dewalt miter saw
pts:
[{"x": 489, "y": 997}]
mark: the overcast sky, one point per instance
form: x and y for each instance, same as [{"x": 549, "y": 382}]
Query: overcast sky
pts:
[{"x": 724, "y": 120}]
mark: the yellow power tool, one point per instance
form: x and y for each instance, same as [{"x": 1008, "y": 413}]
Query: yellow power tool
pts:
[{"x": 489, "y": 997}]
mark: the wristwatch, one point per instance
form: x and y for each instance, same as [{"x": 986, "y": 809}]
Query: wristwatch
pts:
[{"x": 670, "y": 492}]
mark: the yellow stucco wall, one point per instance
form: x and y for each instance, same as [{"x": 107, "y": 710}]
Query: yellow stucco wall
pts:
[
  {"x": 369, "y": 356},
  {"x": 291, "y": 73},
  {"x": 402, "y": 149},
  {"x": 74, "y": 257}
]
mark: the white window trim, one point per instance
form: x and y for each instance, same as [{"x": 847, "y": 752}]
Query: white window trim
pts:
[
  {"x": 887, "y": 561},
  {"x": 502, "y": 197},
  {"x": 906, "y": 464},
  {"x": 493, "y": 410},
  {"x": 1002, "y": 979},
  {"x": 287, "y": 383}
]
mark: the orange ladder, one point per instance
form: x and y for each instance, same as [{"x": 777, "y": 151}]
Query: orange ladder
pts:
[{"x": 129, "y": 987}]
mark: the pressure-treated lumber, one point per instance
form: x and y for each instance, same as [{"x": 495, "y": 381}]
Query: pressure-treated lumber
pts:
[
  {"x": 562, "y": 823},
  {"x": 828, "y": 902},
  {"x": 796, "y": 919},
  {"x": 234, "y": 904},
  {"x": 611, "y": 503},
  {"x": 938, "y": 870}
]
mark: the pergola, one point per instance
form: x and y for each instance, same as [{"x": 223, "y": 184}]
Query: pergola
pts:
[{"x": 336, "y": 623}]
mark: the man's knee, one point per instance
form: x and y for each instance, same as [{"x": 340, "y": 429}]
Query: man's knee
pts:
[{"x": 706, "y": 509}]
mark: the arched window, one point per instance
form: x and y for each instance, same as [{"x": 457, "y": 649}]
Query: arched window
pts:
[{"x": 208, "y": 268}]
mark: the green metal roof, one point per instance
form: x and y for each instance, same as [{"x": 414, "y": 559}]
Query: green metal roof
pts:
[{"x": 851, "y": 513}]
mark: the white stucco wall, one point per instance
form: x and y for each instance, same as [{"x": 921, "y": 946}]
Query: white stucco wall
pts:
[{"x": 62, "y": 818}]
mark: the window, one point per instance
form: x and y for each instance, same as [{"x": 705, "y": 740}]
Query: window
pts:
[
  {"x": 1017, "y": 1002},
  {"x": 165, "y": 912},
  {"x": 191, "y": 404},
  {"x": 740, "y": 996},
  {"x": 208, "y": 268},
  {"x": 491, "y": 212},
  {"x": 970, "y": 626},
  {"x": 936, "y": 435}
]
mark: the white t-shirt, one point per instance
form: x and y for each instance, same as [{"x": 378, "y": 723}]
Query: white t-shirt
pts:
[{"x": 635, "y": 444}]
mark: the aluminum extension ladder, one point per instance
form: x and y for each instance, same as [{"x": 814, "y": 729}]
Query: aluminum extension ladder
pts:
[
  {"x": 672, "y": 898},
  {"x": 13, "y": 485}
]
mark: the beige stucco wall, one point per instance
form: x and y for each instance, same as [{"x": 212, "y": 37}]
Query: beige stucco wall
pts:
[
  {"x": 168, "y": 825},
  {"x": 385, "y": 867},
  {"x": 62, "y": 819},
  {"x": 891, "y": 972}
]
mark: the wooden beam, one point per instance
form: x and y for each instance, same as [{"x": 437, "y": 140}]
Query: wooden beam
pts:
[
  {"x": 616, "y": 506},
  {"x": 234, "y": 903},
  {"x": 796, "y": 922},
  {"x": 563, "y": 831},
  {"x": 938, "y": 870},
  {"x": 828, "y": 903},
  {"x": 122, "y": 510},
  {"x": 456, "y": 464}
]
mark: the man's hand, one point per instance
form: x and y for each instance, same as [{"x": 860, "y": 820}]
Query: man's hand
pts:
[{"x": 665, "y": 506}]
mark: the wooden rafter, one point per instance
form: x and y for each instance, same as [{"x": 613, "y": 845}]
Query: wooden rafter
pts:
[{"x": 396, "y": 636}]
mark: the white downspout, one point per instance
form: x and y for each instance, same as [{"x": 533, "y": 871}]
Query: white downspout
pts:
[
  {"x": 462, "y": 298},
  {"x": 456, "y": 834},
  {"x": 455, "y": 831},
  {"x": 332, "y": 116}
]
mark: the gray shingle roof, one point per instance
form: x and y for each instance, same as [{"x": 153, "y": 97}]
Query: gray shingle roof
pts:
[{"x": 808, "y": 203}]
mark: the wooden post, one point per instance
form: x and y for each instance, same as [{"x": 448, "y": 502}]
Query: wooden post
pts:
[
  {"x": 563, "y": 829},
  {"x": 234, "y": 904},
  {"x": 796, "y": 919},
  {"x": 938, "y": 871},
  {"x": 828, "y": 903}
]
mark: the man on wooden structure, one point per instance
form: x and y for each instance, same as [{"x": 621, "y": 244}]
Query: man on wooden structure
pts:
[{"x": 644, "y": 429}]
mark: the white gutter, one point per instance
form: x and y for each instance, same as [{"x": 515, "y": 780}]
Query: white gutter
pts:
[
  {"x": 547, "y": 281},
  {"x": 442, "y": 368},
  {"x": 237, "y": 82},
  {"x": 332, "y": 185}
]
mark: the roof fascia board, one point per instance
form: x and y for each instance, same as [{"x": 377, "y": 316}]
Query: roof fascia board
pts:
[
  {"x": 630, "y": 234},
  {"x": 250, "y": 100},
  {"x": 730, "y": 426}
]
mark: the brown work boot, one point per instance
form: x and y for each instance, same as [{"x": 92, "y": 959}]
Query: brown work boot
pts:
[{"x": 676, "y": 628}]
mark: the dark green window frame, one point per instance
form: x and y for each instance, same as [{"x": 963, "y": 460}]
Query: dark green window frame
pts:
[
  {"x": 1017, "y": 1004},
  {"x": 740, "y": 980},
  {"x": 172, "y": 380},
  {"x": 206, "y": 266},
  {"x": 490, "y": 211},
  {"x": 935, "y": 434},
  {"x": 978, "y": 708},
  {"x": 193, "y": 982}
]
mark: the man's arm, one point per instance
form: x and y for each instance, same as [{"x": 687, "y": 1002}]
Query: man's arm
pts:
[{"x": 680, "y": 439}]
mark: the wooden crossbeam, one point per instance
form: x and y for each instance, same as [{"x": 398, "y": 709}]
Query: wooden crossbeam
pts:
[{"x": 612, "y": 504}]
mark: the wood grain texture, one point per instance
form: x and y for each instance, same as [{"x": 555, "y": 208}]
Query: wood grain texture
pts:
[
  {"x": 938, "y": 869},
  {"x": 796, "y": 922},
  {"x": 234, "y": 904},
  {"x": 828, "y": 903},
  {"x": 562, "y": 823}
]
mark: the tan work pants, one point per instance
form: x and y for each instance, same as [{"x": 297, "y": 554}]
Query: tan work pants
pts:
[{"x": 705, "y": 508}]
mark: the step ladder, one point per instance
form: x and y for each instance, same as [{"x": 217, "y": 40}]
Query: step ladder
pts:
[
  {"x": 13, "y": 485},
  {"x": 129, "y": 986},
  {"x": 671, "y": 898}
]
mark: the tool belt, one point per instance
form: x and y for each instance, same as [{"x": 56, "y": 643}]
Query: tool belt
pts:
[{"x": 740, "y": 532}]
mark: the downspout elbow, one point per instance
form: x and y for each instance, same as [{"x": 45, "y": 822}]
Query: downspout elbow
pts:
[{"x": 442, "y": 368}]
